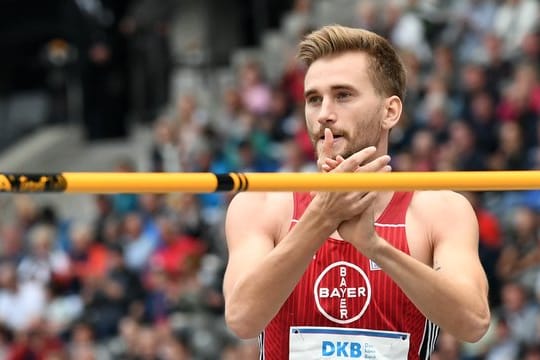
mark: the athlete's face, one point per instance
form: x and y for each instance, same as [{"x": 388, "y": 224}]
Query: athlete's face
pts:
[{"x": 340, "y": 96}]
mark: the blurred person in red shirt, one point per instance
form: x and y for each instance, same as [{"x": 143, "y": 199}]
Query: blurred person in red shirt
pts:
[
  {"x": 88, "y": 257},
  {"x": 176, "y": 248}
]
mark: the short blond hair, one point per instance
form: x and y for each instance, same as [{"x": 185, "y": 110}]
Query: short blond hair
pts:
[{"x": 386, "y": 69}]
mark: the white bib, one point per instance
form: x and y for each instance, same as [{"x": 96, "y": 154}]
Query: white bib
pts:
[{"x": 309, "y": 342}]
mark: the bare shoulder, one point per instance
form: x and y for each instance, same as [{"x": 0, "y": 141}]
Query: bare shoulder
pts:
[
  {"x": 445, "y": 214},
  {"x": 440, "y": 203},
  {"x": 261, "y": 201},
  {"x": 268, "y": 211}
]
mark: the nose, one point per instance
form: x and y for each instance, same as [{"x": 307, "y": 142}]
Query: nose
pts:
[{"x": 327, "y": 114}]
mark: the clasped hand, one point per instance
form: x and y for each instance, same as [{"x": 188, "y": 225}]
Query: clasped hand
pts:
[{"x": 352, "y": 213}]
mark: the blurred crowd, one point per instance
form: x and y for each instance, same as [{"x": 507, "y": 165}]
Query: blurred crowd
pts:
[{"x": 142, "y": 280}]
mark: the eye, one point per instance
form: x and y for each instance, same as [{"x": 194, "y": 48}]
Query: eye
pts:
[
  {"x": 314, "y": 100},
  {"x": 343, "y": 95}
]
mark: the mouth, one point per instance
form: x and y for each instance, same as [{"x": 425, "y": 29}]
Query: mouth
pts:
[{"x": 335, "y": 136}]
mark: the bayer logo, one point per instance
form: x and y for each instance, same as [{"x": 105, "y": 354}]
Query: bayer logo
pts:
[{"x": 342, "y": 292}]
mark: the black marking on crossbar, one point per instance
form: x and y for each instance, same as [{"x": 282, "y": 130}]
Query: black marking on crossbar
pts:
[{"x": 28, "y": 183}]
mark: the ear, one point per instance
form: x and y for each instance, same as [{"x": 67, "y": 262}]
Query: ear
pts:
[{"x": 392, "y": 112}]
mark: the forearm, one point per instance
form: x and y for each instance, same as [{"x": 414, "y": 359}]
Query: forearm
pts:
[
  {"x": 437, "y": 293},
  {"x": 258, "y": 295}
]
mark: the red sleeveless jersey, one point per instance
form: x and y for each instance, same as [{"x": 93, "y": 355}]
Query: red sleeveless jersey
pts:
[{"x": 342, "y": 290}]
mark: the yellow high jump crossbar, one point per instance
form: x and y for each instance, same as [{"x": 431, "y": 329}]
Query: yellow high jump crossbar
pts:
[{"x": 114, "y": 182}]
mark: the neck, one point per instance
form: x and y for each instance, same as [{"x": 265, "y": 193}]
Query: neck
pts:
[{"x": 382, "y": 201}]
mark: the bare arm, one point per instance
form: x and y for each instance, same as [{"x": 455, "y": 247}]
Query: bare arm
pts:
[
  {"x": 259, "y": 276},
  {"x": 458, "y": 280}
]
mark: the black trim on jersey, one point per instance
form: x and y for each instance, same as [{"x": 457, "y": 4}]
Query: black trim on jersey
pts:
[
  {"x": 429, "y": 340},
  {"x": 261, "y": 345}
]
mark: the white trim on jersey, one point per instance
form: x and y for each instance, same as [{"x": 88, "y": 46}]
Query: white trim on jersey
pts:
[
  {"x": 376, "y": 224},
  {"x": 388, "y": 225}
]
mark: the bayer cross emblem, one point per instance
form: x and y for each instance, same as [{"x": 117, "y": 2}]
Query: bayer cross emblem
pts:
[{"x": 342, "y": 292}]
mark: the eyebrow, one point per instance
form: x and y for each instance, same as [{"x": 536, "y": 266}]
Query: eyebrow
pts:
[{"x": 310, "y": 92}]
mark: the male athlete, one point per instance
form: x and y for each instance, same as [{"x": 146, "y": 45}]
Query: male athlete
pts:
[{"x": 369, "y": 275}]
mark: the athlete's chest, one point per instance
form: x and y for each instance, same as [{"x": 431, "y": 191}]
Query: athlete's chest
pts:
[{"x": 341, "y": 286}]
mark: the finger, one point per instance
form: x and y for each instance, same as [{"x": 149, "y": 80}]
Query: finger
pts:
[
  {"x": 376, "y": 165},
  {"x": 327, "y": 144},
  {"x": 355, "y": 160},
  {"x": 326, "y": 152},
  {"x": 334, "y": 163},
  {"x": 370, "y": 196},
  {"x": 331, "y": 162},
  {"x": 329, "y": 165},
  {"x": 366, "y": 200},
  {"x": 361, "y": 201}
]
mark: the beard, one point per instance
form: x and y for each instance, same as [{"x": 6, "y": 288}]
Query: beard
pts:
[
  {"x": 354, "y": 143},
  {"x": 368, "y": 132}
]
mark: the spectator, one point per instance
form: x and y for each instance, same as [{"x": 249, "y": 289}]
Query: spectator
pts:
[
  {"x": 463, "y": 139},
  {"x": 62, "y": 309},
  {"x": 11, "y": 236},
  {"x": 510, "y": 153},
  {"x": 146, "y": 25},
  {"x": 520, "y": 314},
  {"x": 367, "y": 15},
  {"x": 405, "y": 28},
  {"x": 83, "y": 344},
  {"x": 176, "y": 249},
  {"x": 255, "y": 92},
  {"x": 108, "y": 301},
  {"x": 165, "y": 152},
  {"x": 505, "y": 346},
  {"x": 520, "y": 256},
  {"x": 187, "y": 212},
  {"x": 88, "y": 258},
  {"x": 124, "y": 203},
  {"x": 138, "y": 245},
  {"x": 483, "y": 121},
  {"x": 21, "y": 304},
  {"x": 43, "y": 264},
  {"x": 105, "y": 212},
  {"x": 294, "y": 159},
  {"x": 513, "y": 20},
  {"x": 423, "y": 152},
  {"x": 531, "y": 352},
  {"x": 447, "y": 348},
  {"x": 473, "y": 20}
]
